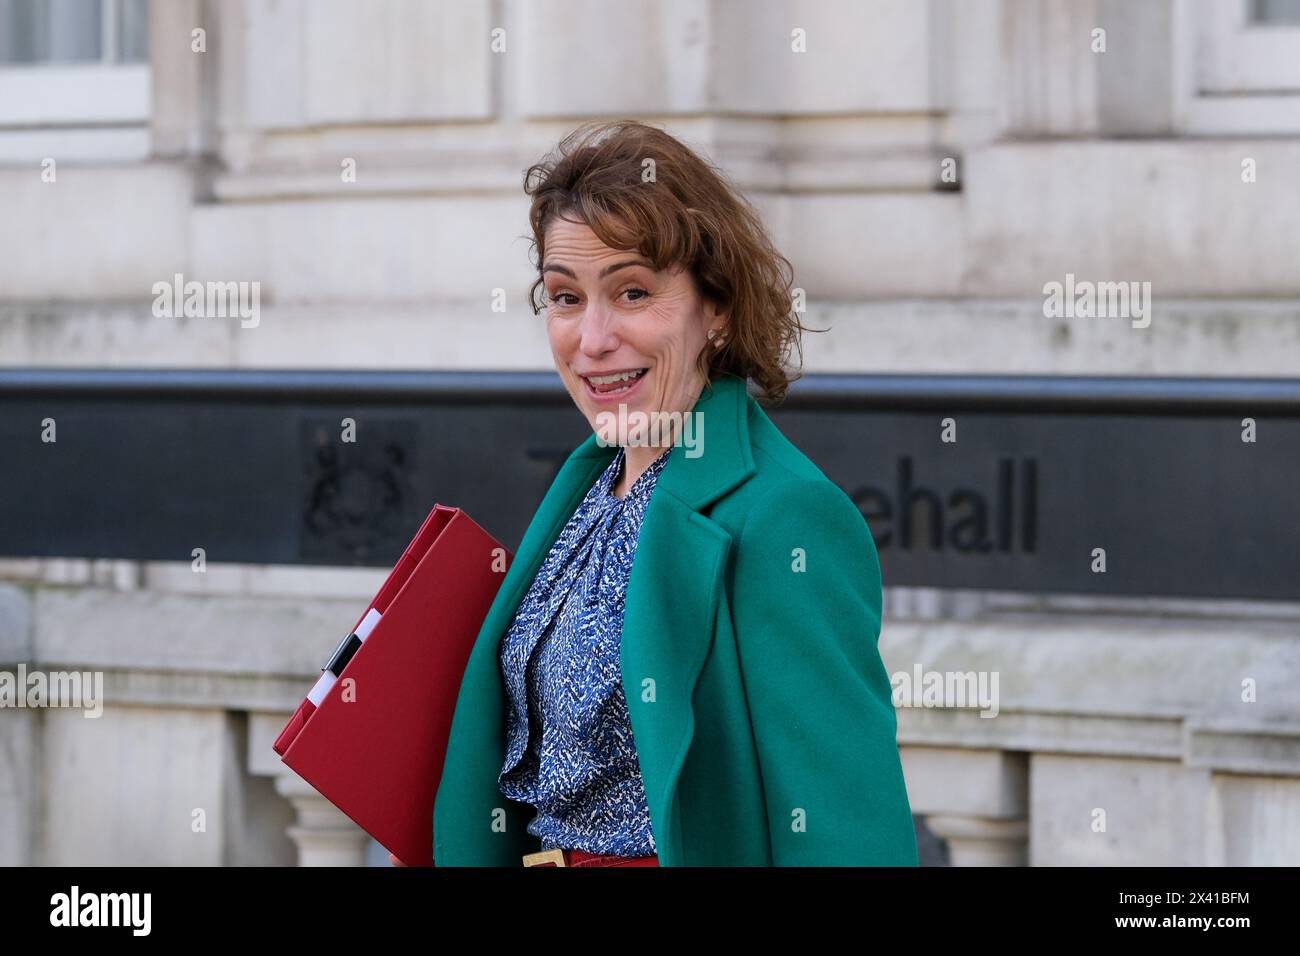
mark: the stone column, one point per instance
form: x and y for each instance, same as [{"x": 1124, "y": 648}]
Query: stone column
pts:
[
  {"x": 982, "y": 841},
  {"x": 324, "y": 834},
  {"x": 976, "y": 800}
]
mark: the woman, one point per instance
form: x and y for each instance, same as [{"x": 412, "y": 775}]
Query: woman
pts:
[{"x": 680, "y": 668}]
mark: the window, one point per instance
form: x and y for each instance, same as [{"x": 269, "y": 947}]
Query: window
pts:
[
  {"x": 1241, "y": 66},
  {"x": 1250, "y": 47},
  {"x": 73, "y": 31},
  {"x": 1275, "y": 11},
  {"x": 72, "y": 64}
]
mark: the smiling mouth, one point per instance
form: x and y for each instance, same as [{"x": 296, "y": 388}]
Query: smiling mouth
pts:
[{"x": 613, "y": 384}]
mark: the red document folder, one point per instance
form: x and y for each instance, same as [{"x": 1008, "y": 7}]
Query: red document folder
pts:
[{"x": 375, "y": 746}]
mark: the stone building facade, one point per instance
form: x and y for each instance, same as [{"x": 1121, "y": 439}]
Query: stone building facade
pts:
[{"x": 927, "y": 165}]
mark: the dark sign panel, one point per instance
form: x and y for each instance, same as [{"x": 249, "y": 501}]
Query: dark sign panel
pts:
[
  {"x": 1178, "y": 506},
  {"x": 986, "y": 482}
]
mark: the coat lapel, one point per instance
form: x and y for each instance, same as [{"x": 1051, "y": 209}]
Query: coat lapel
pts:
[
  {"x": 672, "y": 600},
  {"x": 668, "y": 624}
]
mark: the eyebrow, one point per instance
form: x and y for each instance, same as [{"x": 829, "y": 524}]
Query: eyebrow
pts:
[{"x": 555, "y": 267}]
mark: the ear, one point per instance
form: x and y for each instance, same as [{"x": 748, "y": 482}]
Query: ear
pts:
[{"x": 717, "y": 322}]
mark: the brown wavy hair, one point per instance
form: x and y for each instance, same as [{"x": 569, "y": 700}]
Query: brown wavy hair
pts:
[{"x": 687, "y": 214}]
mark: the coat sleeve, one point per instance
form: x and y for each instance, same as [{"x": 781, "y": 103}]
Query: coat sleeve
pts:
[{"x": 806, "y": 613}]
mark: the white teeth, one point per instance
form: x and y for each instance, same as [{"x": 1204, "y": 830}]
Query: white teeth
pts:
[{"x": 611, "y": 379}]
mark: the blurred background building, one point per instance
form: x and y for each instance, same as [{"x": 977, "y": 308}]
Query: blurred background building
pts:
[{"x": 927, "y": 165}]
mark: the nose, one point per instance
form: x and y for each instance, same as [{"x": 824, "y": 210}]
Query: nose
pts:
[{"x": 599, "y": 330}]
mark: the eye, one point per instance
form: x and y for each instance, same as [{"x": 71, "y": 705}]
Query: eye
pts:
[
  {"x": 642, "y": 291},
  {"x": 558, "y": 297}
]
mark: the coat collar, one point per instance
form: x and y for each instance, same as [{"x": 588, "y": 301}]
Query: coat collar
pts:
[
  {"x": 695, "y": 483},
  {"x": 726, "y": 460}
]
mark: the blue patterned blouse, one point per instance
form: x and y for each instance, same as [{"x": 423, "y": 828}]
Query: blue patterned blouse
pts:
[{"x": 569, "y": 750}]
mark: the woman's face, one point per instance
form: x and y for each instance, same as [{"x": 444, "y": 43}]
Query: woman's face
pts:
[{"x": 611, "y": 312}]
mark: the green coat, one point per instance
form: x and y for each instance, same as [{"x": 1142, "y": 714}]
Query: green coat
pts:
[{"x": 761, "y": 710}]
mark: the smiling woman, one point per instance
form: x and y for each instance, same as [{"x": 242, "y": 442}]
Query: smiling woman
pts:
[
  {"x": 641, "y": 240},
  {"x": 681, "y": 666},
  {"x": 623, "y": 333}
]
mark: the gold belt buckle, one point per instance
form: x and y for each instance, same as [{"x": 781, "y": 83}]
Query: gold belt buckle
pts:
[{"x": 555, "y": 856}]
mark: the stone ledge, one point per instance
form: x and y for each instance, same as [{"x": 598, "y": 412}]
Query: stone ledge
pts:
[
  {"x": 190, "y": 690},
  {"x": 89, "y": 628},
  {"x": 1248, "y": 337},
  {"x": 1226, "y": 747},
  {"x": 1111, "y": 664},
  {"x": 1075, "y": 733},
  {"x": 1230, "y": 747}
]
